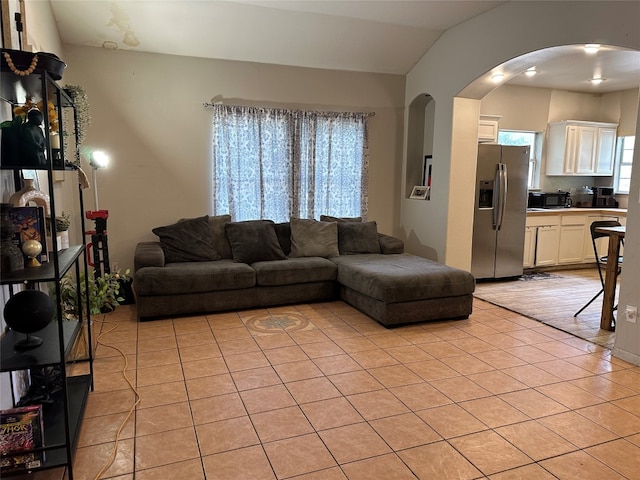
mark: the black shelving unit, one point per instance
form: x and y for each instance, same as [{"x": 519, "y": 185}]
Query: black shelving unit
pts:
[{"x": 62, "y": 416}]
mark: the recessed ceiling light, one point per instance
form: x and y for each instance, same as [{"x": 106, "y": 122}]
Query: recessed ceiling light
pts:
[
  {"x": 597, "y": 81},
  {"x": 592, "y": 48},
  {"x": 531, "y": 71},
  {"x": 497, "y": 77}
]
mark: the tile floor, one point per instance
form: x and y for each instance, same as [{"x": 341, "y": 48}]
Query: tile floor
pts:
[{"x": 322, "y": 392}]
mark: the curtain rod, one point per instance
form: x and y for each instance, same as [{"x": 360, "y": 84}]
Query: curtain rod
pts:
[{"x": 218, "y": 100}]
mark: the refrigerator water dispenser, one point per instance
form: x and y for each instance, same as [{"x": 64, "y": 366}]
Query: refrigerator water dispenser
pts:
[{"x": 485, "y": 194}]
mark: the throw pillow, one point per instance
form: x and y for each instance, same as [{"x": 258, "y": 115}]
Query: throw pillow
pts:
[
  {"x": 310, "y": 238},
  {"x": 358, "y": 237},
  {"x": 328, "y": 218},
  {"x": 188, "y": 240},
  {"x": 254, "y": 241},
  {"x": 218, "y": 225},
  {"x": 283, "y": 231}
]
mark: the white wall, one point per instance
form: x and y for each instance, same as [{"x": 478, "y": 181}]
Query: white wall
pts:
[
  {"x": 473, "y": 48},
  {"x": 147, "y": 113}
]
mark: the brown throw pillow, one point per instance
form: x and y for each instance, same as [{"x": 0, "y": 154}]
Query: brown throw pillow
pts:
[
  {"x": 254, "y": 241},
  {"x": 310, "y": 238},
  {"x": 358, "y": 237},
  {"x": 188, "y": 240}
]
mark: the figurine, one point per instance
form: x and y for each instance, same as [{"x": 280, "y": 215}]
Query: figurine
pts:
[{"x": 32, "y": 140}]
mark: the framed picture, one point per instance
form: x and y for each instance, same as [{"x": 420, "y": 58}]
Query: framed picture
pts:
[
  {"x": 427, "y": 165},
  {"x": 420, "y": 192}
]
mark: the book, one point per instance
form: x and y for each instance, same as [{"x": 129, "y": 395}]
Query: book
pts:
[
  {"x": 28, "y": 224},
  {"x": 21, "y": 430}
]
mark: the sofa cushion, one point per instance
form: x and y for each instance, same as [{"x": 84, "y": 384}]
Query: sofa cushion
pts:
[
  {"x": 294, "y": 271},
  {"x": 310, "y": 238},
  {"x": 283, "y": 232},
  {"x": 402, "y": 277},
  {"x": 358, "y": 237},
  {"x": 194, "y": 277},
  {"x": 188, "y": 240},
  {"x": 329, "y": 218},
  {"x": 254, "y": 241},
  {"x": 218, "y": 226}
]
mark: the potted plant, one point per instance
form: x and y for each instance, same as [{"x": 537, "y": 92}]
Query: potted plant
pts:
[
  {"x": 62, "y": 223},
  {"x": 103, "y": 294}
]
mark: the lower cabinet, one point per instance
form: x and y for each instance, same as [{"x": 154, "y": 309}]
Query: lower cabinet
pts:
[{"x": 562, "y": 239}]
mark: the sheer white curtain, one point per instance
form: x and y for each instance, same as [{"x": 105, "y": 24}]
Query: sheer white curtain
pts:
[{"x": 276, "y": 163}]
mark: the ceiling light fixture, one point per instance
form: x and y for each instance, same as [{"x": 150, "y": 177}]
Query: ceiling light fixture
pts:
[
  {"x": 592, "y": 48},
  {"x": 497, "y": 77},
  {"x": 596, "y": 80},
  {"x": 531, "y": 71}
]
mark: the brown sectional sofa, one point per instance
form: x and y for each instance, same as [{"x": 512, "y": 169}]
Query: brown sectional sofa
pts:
[{"x": 366, "y": 269}]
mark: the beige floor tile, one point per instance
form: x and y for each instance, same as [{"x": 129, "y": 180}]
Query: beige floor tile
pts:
[
  {"x": 603, "y": 388},
  {"x": 107, "y": 403},
  {"x": 210, "y": 386},
  {"x": 280, "y": 424},
  {"x": 246, "y": 361},
  {"x": 408, "y": 353},
  {"x": 195, "y": 340},
  {"x": 104, "y": 429},
  {"x": 419, "y": 396},
  {"x": 467, "y": 364},
  {"x": 532, "y": 403},
  {"x": 337, "y": 364},
  {"x": 154, "y": 450},
  {"x": 387, "y": 339},
  {"x": 191, "y": 469},
  {"x": 342, "y": 413},
  {"x": 577, "y": 429},
  {"x": 530, "y": 353},
  {"x": 158, "y": 358},
  {"x": 312, "y": 390},
  {"x": 631, "y": 404},
  {"x": 162, "y": 394},
  {"x": 395, "y": 376},
  {"x": 233, "y": 333},
  {"x": 89, "y": 461},
  {"x": 493, "y": 411},
  {"x": 351, "y": 383},
  {"x": 373, "y": 358},
  {"x": 385, "y": 466},
  {"x": 285, "y": 355},
  {"x": 569, "y": 395},
  {"x": 249, "y": 462},
  {"x": 163, "y": 418},
  {"x": 500, "y": 359},
  {"x": 293, "y": 371},
  {"x": 321, "y": 349},
  {"x": 157, "y": 375},
  {"x": 220, "y": 407},
  {"x": 239, "y": 346},
  {"x": 563, "y": 369},
  {"x": 460, "y": 389},
  {"x": 531, "y": 375},
  {"x": 474, "y": 344},
  {"x": 226, "y": 435},
  {"x": 629, "y": 378},
  {"x": 199, "y": 352},
  {"x": 405, "y": 431},
  {"x": 451, "y": 421},
  {"x": 255, "y": 378},
  {"x": 377, "y": 404},
  {"x": 528, "y": 472},
  {"x": 309, "y": 336},
  {"x": 299, "y": 455},
  {"x": 441, "y": 349},
  {"x": 354, "y": 344},
  {"x": 353, "y": 442},
  {"x": 489, "y": 452},
  {"x": 188, "y": 326},
  {"x": 204, "y": 368},
  {"x": 535, "y": 440},
  {"x": 613, "y": 418},
  {"x": 497, "y": 382},
  {"x": 267, "y": 398},
  {"x": 439, "y": 461},
  {"x": 109, "y": 382},
  {"x": 157, "y": 343},
  {"x": 579, "y": 465}
]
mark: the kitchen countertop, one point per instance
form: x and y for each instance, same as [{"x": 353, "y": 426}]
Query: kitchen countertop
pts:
[{"x": 536, "y": 212}]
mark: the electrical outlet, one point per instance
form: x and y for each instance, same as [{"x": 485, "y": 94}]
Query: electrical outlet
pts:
[{"x": 631, "y": 314}]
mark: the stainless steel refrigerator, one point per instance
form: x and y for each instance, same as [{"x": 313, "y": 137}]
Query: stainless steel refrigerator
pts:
[{"x": 500, "y": 211}]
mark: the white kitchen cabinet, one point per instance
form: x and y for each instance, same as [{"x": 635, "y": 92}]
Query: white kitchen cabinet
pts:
[
  {"x": 488, "y": 128},
  {"x": 581, "y": 148},
  {"x": 571, "y": 248},
  {"x": 547, "y": 243},
  {"x": 528, "y": 260}
]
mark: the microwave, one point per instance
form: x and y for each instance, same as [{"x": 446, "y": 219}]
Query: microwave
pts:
[{"x": 548, "y": 200}]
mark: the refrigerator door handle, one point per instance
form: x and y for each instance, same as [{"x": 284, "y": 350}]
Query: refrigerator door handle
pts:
[{"x": 501, "y": 182}]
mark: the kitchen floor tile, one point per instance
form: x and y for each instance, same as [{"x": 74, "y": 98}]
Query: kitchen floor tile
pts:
[
  {"x": 353, "y": 442},
  {"x": 439, "y": 460},
  {"x": 405, "y": 431},
  {"x": 387, "y": 466},
  {"x": 299, "y": 455},
  {"x": 535, "y": 440},
  {"x": 153, "y": 450},
  {"x": 249, "y": 462},
  {"x": 280, "y": 424},
  {"x": 342, "y": 413}
]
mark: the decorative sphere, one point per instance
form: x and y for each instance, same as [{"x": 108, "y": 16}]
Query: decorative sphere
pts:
[
  {"x": 29, "y": 311},
  {"x": 31, "y": 248}
]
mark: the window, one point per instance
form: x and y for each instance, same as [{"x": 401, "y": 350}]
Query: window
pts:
[
  {"x": 532, "y": 139},
  {"x": 624, "y": 159},
  {"x": 275, "y": 163}
]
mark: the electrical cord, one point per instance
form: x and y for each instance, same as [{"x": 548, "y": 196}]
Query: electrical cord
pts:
[{"x": 114, "y": 451}]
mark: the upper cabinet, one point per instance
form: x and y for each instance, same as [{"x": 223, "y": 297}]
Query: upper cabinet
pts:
[
  {"x": 488, "y": 128},
  {"x": 581, "y": 148}
]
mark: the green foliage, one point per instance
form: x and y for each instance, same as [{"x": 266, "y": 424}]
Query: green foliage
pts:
[{"x": 103, "y": 296}]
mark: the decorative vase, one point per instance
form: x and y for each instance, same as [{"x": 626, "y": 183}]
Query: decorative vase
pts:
[{"x": 29, "y": 193}]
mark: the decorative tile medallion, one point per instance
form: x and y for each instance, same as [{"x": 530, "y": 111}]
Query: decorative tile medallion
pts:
[{"x": 266, "y": 323}]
